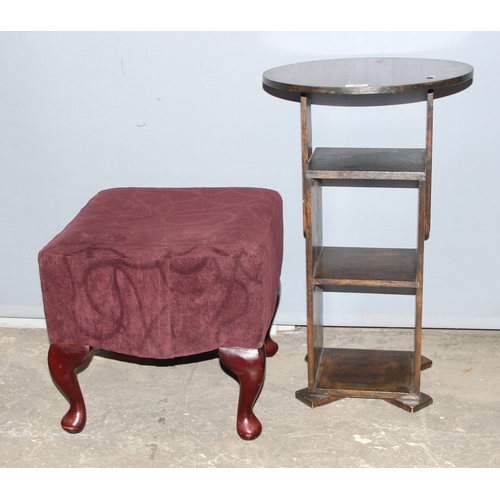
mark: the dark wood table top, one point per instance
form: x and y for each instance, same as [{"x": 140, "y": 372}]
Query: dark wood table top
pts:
[{"x": 367, "y": 76}]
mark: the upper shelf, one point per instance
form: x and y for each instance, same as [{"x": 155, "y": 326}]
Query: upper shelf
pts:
[
  {"x": 367, "y": 164},
  {"x": 327, "y": 81}
]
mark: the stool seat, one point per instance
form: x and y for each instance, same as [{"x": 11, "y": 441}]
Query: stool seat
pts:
[{"x": 165, "y": 272}]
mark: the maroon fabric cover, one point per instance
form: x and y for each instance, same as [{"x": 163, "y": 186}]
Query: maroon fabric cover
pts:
[{"x": 165, "y": 272}]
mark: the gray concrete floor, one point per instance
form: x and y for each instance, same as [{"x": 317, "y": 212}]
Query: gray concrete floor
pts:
[{"x": 182, "y": 415}]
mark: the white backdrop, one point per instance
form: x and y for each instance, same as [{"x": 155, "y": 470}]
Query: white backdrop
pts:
[{"x": 84, "y": 111}]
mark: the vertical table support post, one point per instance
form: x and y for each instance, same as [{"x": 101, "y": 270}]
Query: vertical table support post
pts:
[
  {"x": 313, "y": 232},
  {"x": 428, "y": 162}
]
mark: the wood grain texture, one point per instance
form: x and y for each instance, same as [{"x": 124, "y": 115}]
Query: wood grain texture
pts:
[{"x": 365, "y": 76}]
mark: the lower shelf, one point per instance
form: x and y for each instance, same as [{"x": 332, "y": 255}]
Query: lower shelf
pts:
[{"x": 363, "y": 373}]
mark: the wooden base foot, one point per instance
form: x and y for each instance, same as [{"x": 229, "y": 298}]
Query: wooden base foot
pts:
[
  {"x": 412, "y": 403},
  {"x": 314, "y": 400},
  {"x": 249, "y": 366},
  {"x": 63, "y": 359},
  {"x": 408, "y": 403}
]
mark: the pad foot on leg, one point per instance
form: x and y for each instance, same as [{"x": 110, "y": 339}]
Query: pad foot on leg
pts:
[
  {"x": 63, "y": 359},
  {"x": 249, "y": 366}
]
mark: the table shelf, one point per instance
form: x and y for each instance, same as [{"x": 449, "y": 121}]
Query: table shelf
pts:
[
  {"x": 361, "y": 371},
  {"x": 366, "y": 373},
  {"x": 367, "y": 164},
  {"x": 367, "y": 267}
]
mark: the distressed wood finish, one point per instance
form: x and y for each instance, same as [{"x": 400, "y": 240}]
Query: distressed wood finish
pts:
[
  {"x": 337, "y": 373},
  {"x": 368, "y": 76},
  {"x": 377, "y": 267},
  {"x": 367, "y": 164},
  {"x": 428, "y": 162}
]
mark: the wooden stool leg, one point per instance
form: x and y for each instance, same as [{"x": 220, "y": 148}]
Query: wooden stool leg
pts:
[
  {"x": 271, "y": 346},
  {"x": 249, "y": 366},
  {"x": 63, "y": 360}
]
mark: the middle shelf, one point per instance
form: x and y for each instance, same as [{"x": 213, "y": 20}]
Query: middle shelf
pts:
[{"x": 367, "y": 267}]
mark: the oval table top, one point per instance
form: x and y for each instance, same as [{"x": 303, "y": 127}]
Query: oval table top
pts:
[{"x": 367, "y": 76}]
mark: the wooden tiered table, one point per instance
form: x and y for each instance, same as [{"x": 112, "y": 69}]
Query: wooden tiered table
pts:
[{"x": 335, "y": 373}]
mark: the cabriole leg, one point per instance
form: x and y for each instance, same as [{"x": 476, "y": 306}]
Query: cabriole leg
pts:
[
  {"x": 271, "y": 346},
  {"x": 249, "y": 366},
  {"x": 63, "y": 360}
]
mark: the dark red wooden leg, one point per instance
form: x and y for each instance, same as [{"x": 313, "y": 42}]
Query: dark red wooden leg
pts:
[
  {"x": 249, "y": 366},
  {"x": 271, "y": 346},
  {"x": 63, "y": 360}
]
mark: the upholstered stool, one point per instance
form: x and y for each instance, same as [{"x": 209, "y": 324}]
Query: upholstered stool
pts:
[{"x": 162, "y": 273}]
